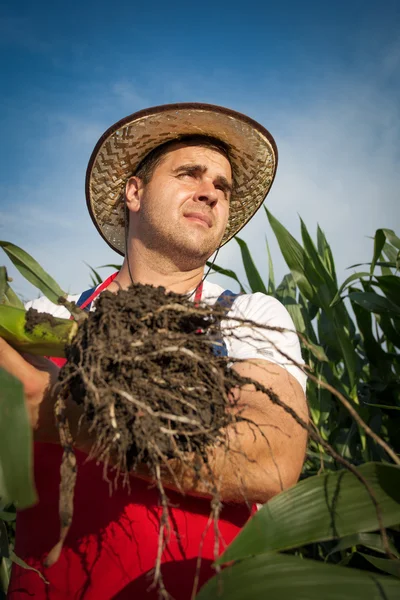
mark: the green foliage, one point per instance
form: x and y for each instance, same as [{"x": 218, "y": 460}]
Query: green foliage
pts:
[
  {"x": 350, "y": 337},
  {"x": 351, "y": 341},
  {"x": 281, "y": 577},
  {"x": 16, "y": 483}
]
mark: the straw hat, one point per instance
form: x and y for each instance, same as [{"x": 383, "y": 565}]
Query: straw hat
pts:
[{"x": 252, "y": 152}]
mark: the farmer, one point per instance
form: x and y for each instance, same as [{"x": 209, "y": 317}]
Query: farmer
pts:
[{"x": 166, "y": 187}]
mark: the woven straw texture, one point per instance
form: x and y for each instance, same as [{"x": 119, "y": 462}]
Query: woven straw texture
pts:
[{"x": 252, "y": 152}]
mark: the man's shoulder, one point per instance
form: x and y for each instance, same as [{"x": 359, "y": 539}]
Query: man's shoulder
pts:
[
  {"x": 256, "y": 306},
  {"x": 261, "y": 308},
  {"x": 44, "y": 305}
]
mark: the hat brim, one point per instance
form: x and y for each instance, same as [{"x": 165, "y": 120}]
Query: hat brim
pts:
[{"x": 252, "y": 151}]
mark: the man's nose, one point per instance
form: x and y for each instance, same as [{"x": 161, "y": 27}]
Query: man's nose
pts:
[{"x": 206, "y": 192}]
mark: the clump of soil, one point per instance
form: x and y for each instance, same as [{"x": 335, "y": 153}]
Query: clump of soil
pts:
[
  {"x": 146, "y": 367},
  {"x": 34, "y": 318}
]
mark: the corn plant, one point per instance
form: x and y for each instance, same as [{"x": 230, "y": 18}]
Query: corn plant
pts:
[{"x": 300, "y": 542}]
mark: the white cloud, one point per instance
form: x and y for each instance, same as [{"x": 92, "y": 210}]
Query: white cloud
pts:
[{"x": 339, "y": 155}]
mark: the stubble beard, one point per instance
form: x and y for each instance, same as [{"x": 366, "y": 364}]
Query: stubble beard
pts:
[{"x": 174, "y": 242}]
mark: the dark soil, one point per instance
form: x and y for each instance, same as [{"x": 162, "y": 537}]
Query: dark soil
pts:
[
  {"x": 145, "y": 369},
  {"x": 34, "y": 318}
]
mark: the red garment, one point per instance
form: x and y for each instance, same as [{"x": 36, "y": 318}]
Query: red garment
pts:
[{"x": 111, "y": 548}]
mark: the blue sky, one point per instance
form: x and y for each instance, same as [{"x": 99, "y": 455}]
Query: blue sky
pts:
[{"x": 324, "y": 78}]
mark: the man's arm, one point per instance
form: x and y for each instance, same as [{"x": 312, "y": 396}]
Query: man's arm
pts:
[
  {"x": 261, "y": 460},
  {"x": 264, "y": 458}
]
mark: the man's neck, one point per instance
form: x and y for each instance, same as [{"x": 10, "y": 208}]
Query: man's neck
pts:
[{"x": 151, "y": 270}]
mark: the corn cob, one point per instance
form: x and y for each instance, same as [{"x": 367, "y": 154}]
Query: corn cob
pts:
[{"x": 46, "y": 338}]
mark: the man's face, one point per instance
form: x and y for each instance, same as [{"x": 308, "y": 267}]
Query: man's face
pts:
[{"x": 183, "y": 211}]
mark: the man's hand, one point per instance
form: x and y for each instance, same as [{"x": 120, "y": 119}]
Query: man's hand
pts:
[{"x": 38, "y": 377}]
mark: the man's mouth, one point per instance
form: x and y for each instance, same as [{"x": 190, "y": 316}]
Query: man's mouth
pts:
[{"x": 201, "y": 218}]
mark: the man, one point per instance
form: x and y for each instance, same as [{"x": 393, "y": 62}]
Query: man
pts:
[{"x": 188, "y": 177}]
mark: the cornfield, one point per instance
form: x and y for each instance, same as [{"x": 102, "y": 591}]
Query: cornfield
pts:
[{"x": 336, "y": 534}]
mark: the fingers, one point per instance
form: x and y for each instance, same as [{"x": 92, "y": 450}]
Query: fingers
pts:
[
  {"x": 41, "y": 363},
  {"x": 12, "y": 362}
]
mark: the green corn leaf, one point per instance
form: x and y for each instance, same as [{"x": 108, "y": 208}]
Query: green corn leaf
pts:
[
  {"x": 379, "y": 242},
  {"x": 325, "y": 253},
  {"x": 286, "y": 289},
  {"x": 271, "y": 275},
  {"x": 374, "y": 351},
  {"x": 350, "y": 279},
  {"x": 385, "y": 406},
  {"x": 96, "y": 277},
  {"x": 320, "y": 508},
  {"x": 227, "y": 273},
  {"x": 386, "y": 324},
  {"x": 111, "y": 266},
  {"x": 327, "y": 287},
  {"x": 11, "y": 299},
  {"x": 7, "y": 516},
  {"x": 390, "y": 253},
  {"x": 16, "y": 476},
  {"x": 388, "y": 566},
  {"x": 47, "y": 338},
  {"x": 345, "y": 340},
  {"x": 282, "y": 577},
  {"x": 317, "y": 351},
  {"x": 390, "y": 286},
  {"x": 375, "y": 303},
  {"x": 254, "y": 278},
  {"x": 373, "y": 541},
  {"x": 3, "y": 284},
  {"x": 33, "y": 272},
  {"x": 296, "y": 259},
  {"x": 4, "y": 548},
  {"x": 392, "y": 238}
]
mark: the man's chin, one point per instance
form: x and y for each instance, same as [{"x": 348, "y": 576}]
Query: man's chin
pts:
[{"x": 196, "y": 253}]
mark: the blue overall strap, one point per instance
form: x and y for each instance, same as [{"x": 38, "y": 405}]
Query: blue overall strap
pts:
[
  {"x": 225, "y": 300},
  {"x": 84, "y": 296}
]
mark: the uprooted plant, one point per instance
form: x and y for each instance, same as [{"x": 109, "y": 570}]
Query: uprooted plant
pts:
[{"x": 165, "y": 394}]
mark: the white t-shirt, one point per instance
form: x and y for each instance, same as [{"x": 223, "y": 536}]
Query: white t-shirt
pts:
[{"x": 242, "y": 341}]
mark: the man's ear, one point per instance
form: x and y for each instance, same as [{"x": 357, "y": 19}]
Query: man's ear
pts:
[{"x": 133, "y": 193}]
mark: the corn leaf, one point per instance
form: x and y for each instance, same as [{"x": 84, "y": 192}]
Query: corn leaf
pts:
[
  {"x": 327, "y": 288},
  {"x": 392, "y": 238},
  {"x": 373, "y": 541},
  {"x": 3, "y": 284},
  {"x": 4, "y": 549},
  {"x": 320, "y": 508},
  {"x": 379, "y": 242},
  {"x": 254, "y": 278},
  {"x": 96, "y": 277},
  {"x": 227, "y": 273},
  {"x": 111, "y": 266},
  {"x": 296, "y": 259},
  {"x": 9, "y": 517},
  {"x": 282, "y": 577},
  {"x": 390, "y": 286},
  {"x": 390, "y": 253},
  {"x": 352, "y": 277},
  {"x": 16, "y": 481},
  {"x": 375, "y": 303},
  {"x": 47, "y": 338},
  {"x": 271, "y": 275},
  {"x": 389, "y": 330},
  {"x": 388, "y": 566},
  {"x": 33, "y": 272},
  {"x": 325, "y": 252}
]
